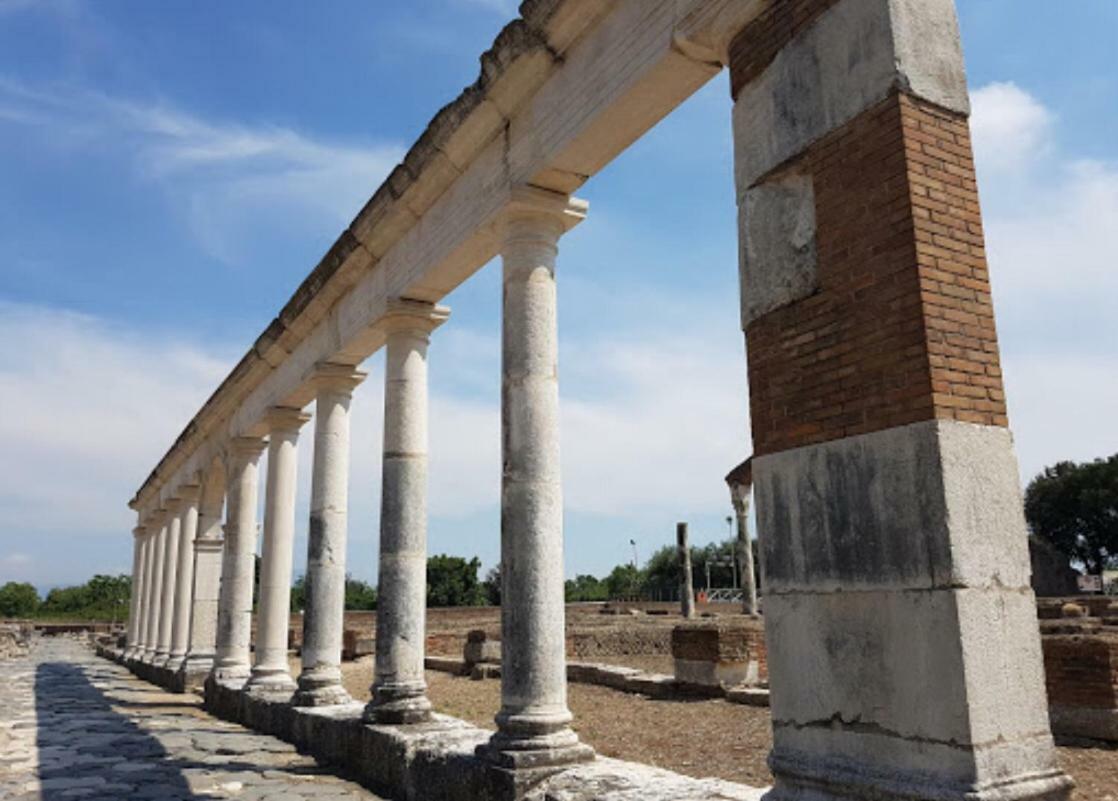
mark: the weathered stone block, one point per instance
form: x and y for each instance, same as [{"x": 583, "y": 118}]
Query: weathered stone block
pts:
[{"x": 721, "y": 654}]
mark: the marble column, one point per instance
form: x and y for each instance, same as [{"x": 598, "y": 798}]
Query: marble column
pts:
[
  {"x": 151, "y": 526},
  {"x": 234, "y": 612},
  {"x": 155, "y": 592},
  {"x": 270, "y": 674},
  {"x": 184, "y": 577},
  {"x": 399, "y": 689},
  {"x": 137, "y": 590},
  {"x": 207, "y": 583},
  {"x": 740, "y": 482},
  {"x": 534, "y": 721},
  {"x": 320, "y": 681},
  {"x": 167, "y": 581}
]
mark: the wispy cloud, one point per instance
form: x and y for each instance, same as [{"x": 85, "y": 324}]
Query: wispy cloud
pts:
[{"x": 228, "y": 179}]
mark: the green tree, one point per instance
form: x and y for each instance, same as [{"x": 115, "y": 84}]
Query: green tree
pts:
[
  {"x": 100, "y": 598},
  {"x": 453, "y": 581},
  {"x": 18, "y": 600},
  {"x": 359, "y": 595},
  {"x": 586, "y": 588},
  {"x": 624, "y": 582},
  {"x": 492, "y": 586},
  {"x": 1074, "y": 506}
]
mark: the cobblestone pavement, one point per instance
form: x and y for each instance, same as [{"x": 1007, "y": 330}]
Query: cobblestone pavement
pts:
[{"x": 74, "y": 726}]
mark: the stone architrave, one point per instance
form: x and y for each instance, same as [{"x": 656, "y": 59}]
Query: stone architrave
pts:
[
  {"x": 533, "y": 725},
  {"x": 885, "y": 482},
  {"x": 234, "y": 612},
  {"x": 184, "y": 578},
  {"x": 270, "y": 673},
  {"x": 399, "y": 688},
  {"x": 320, "y": 681}
]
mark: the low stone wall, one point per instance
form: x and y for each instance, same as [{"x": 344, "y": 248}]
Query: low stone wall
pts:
[{"x": 1081, "y": 673}]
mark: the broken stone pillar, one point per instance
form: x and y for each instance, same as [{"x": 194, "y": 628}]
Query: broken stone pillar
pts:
[
  {"x": 234, "y": 612},
  {"x": 137, "y": 583},
  {"x": 155, "y": 593},
  {"x": 904, "y": 654},
  {"x": 399, "y": 689},
  {"x": 167, "y": 582},
  {"x": 740, "y": 481},
  {"x": 320, "y": 681},
  {"x": 184, "y": 578},
  {"x": 686, "y": 582},
  {"x": 207, "y": 584},
  {"x": 534, "y": 721},
  {"x": 270, "y": 673}
]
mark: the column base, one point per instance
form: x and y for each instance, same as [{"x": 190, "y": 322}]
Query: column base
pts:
[
  {"x": 399, "y": 704},
  {"x": 230, "y": 675},
  {"x": 800, "y": 781},
  {"x": 544, "y": 752},
  {"x": 273, "y": 684},
  {"x": 320, "y": 690}
]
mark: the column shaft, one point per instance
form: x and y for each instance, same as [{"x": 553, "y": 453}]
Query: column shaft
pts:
[
  {"x": 155, "y": 594},
  {"x": 399, "y": 689},
  {"x": 134, "y": 638},
  {"x": 745, "y": 558},
  {"x": 150, "y": 539},
  {"x": 167, "y": 583},
  {"x": 320, "y": 681},
  {"x": 534, "y": 722},
  {"x": 207, "y": 585},
  {"x": 270, "y": 673},
  {"x": 234, "y": 616},
  {"x": 184, "y": 579}
]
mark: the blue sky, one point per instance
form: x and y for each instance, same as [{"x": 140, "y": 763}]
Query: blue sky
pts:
[{"x": 170, "y": 171}]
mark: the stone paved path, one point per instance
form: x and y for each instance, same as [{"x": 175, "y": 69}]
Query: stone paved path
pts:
[{"x": 74, "y": 726}]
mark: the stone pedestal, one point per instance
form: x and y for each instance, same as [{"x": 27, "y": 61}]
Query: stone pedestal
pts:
[
  {"x": 320, "y": 681},
  {"x": 270, "y": 673},
  {"x": 234, "y": 614},
  {"x": 717, "y": 654},
  {"x": 398, "y": 685},
  {"x": 534, "y": 730}
]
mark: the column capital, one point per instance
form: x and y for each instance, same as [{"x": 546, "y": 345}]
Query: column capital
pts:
[
  {"x": 139, "y": 531},
  {"x": 406, "y": 315},
  {"x": 336, "y": 377},
  {"x": 154, "y": 520},
  {"x": 285, "y": 420},
  {"x": 528, "y": 204},
  {"x": 242, "y": 449},
  {"x": 189, "y": 492},
  {"x": 173, "y": 505}
]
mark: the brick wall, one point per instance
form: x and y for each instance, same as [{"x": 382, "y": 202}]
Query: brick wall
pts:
[
  {"x": 901, "y": 329},
  {"x": 1081, "y": 670}
]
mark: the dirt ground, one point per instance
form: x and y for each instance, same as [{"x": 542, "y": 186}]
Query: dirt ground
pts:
[{"x": 696, "y": 738}]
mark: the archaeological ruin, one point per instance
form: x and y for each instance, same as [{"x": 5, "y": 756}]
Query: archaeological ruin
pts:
[{"x": 903, "y": 652}]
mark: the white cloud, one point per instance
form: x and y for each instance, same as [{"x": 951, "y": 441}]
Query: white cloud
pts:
[
  {"x": 231, "y": 181},
  {"x": 1051, "y": 236},
  {"x": 1010, "y": 127}
]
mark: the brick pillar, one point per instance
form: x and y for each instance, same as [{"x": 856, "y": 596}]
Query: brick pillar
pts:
[{"x": 903, "y": 646}]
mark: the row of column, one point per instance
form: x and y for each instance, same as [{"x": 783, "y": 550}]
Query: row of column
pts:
[{"x": 173, "y": 617}]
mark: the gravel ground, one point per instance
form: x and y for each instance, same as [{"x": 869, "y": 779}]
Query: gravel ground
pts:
[{"x": 695, "y": 738}]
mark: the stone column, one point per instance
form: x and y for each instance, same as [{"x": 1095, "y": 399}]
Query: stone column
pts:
[
  {"x": 270, "y": 674},
  {"x": 740, "y": 482},
  {"x": 320, "y": 681},
  {"x": 137, "y": 583},
  {"x": 207, "y": 584},
  {"x": 151, "y": 526},
  {"x": 903, "y": 649},
  {"x": 184, "y": 578},
  {"x": 155, "y": 593},
  {"x": 686, "y": 582},
  {"x": 167, "y": 582},
  {"x": 399, "y": 689},
  {"x": 534, "y": 722},
  {"x": 234, "y": 612}
]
